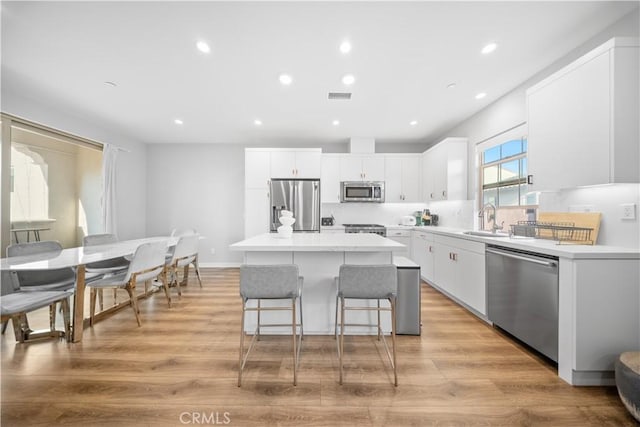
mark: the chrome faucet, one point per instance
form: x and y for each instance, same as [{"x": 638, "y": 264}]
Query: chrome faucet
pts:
[{"x": 490, "y": 217}]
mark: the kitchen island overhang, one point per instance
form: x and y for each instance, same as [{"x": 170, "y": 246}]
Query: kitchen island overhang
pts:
[{"x": 319, "y": 257}]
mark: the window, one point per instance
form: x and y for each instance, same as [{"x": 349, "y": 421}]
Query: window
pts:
[{"x": 504, "y": 174}]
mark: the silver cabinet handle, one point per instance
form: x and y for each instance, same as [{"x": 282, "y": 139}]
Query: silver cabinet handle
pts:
[{"x": 550, "y": 264}]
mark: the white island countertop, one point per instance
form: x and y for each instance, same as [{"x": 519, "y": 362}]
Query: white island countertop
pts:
[{"x": 318, "y": 242}]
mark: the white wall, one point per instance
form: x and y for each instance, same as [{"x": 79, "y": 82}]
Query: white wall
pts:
[
  {"x": 131, "y": 179},
  {"x": 198, "y": 186}
]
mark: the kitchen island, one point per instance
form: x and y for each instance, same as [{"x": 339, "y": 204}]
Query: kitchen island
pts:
[{"x": 319, "y": 257}]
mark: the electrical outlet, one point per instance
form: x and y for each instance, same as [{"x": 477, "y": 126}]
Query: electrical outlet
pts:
[
  {"x": 628, "y": 210},
  {"x": 213, "y": 251}
]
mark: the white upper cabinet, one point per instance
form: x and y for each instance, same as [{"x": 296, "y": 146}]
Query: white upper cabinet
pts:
[
  {"x": 402, "y": 178},
  {"x": 444, "y": 170},
  {"x": 330, "y": 178},
  {"x": 256, "y": 168},
  {"x": 583, "y": 120},
  {"x": 300, "y": 163},
  {"x": 358, "y": 167}
]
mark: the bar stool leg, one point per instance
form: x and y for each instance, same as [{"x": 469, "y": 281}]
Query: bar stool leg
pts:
[
  {"x": 341, "y": 337},
  {"x": 393, "y": 339},
  {"x": 294, "y": 337},
  {"x": 379, "y": 328},
  {"x": 240, "y": 367},
  {"x": 258, "y": 328}
]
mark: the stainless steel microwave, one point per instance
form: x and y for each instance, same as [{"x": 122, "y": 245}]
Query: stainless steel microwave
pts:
[{"x": 358, "y": 191}]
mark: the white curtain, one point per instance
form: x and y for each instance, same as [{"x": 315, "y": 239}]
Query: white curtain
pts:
[{"x": 109, "y": 217}]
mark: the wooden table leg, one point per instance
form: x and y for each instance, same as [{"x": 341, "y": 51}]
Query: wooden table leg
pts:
[{"x": 78, "y": 305}]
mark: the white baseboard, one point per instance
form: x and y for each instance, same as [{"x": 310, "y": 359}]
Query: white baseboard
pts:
[{"x": 220, "y": 264}]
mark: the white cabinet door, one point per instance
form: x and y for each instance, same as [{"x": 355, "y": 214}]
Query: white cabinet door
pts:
[
  {"x": 471, "y": 280},
  {"x": 350, "y": 168},
  {"x": 569, "y": 128},
  {"x": 444, "y": 268},
  {"x": 308, "y": 164},
  {"x": 283, "y": 164},
  {"x": 256, "y": 211},
  {"x": 422, "y": 248},
  {"x": 256, "y": 169},
  {"x": 427, "y": 179},
  {"x": 411, "y": 179},
  {"x": 373, "y": 168},
  {"x": 393, "y": 180},
  {"x": 439, "y": 172},
  {"x": 330, "y": 179},
  {"x": 445, "y": 170},
  {"x": 402, "y": 178}
]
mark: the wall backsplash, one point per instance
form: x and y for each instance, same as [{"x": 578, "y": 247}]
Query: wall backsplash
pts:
[
  {"x": 453, "y": 213},
  {"x": 605, "y": 199},
  {"x": 370, "y": 213}
]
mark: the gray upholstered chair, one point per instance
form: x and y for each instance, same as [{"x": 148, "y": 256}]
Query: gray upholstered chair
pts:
[
  {"x": 61, "y": 279},
  {"x": 367, "y": 282},
  {"x": 42, "y": 280},
  {"x": 94, "y": 270},
  {"x": 16, "y": 303},
  {"x": 189, "y": 254},
  {"x": 181, "y": 255},
  {"x": 147, "y": 263},
  {"x": 271, "y": 282}
]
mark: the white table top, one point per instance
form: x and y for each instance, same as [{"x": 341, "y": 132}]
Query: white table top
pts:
[
  {"x": 318, "y": 242},
  {"x": 73, "y": 257}
]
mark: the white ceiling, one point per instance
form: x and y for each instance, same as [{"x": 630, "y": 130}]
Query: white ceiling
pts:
[{"x": 404, "y": 55}]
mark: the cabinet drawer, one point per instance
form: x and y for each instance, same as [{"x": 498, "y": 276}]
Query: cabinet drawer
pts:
[
  {"x": 398, "y": 233},
  {"x": 465, "y": 244},
  {"x": 423, "y": 235}
]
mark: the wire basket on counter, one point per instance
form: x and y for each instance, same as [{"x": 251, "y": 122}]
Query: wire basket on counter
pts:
[{"x": 562, "y": 232}]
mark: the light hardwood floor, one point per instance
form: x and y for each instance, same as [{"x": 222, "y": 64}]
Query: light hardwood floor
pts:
[{"x": 180, "y": 368}]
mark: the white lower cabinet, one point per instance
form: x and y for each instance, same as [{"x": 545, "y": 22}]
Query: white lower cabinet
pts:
[
  {"x": 422, "y": 253},
  {"x": 459, "y": 269},
  {"x": 401, "y": 236}
]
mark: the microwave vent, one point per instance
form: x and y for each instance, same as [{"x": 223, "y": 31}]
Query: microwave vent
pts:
[{"x": 340, "y": 95}]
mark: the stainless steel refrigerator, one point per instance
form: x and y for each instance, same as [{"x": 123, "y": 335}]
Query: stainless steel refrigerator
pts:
[{"x": 300, "y": 196}]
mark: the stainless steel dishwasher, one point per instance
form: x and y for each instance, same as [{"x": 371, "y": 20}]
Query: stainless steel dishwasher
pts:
[{"x": 522, "y": 296}]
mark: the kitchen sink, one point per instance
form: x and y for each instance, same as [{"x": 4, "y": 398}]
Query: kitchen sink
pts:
[{"x": 485, "y": 234}]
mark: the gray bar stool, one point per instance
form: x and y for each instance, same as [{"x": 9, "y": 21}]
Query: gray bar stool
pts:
[
  {"x": 367, "y": 282},
  {"x": 275, "y": 282}
]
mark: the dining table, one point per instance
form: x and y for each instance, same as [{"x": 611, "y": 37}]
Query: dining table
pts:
[{"x": 78, "y": 258}]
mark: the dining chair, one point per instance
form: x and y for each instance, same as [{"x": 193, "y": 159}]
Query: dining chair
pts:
[
  {"x": 60, "y": 279},
  {"x": 147, "y": 263},
  {"x": 190, "y": 257},
  {"x": 15, "y": 303},
  {"x": 367, "y": 282},
  {"x": 180, "y": 255},
  {"x": 271, "y": 282},
  {"x": 106, "y": 267}
]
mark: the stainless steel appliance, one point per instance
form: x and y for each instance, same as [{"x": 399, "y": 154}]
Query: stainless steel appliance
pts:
[
  {"x": 522, "y": 296},
  {"x": 300, "y": 196},
  {"x": 358, "y": 191},
  {"x": 380, "y": 230}
]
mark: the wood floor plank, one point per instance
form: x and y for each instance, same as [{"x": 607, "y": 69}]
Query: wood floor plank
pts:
[{"x": 183, "y": 361}]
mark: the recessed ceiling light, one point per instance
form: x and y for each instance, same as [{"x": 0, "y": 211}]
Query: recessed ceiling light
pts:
[
  {"x": 178, "y": 122},
  {"x": 481, "y": 95},
  {"x": 335, "y": 122},
  {"x": 257, "y": 122},
  {"x": 285, "y": 79},
  {"x": 112, "y": 84},
  {"x": 451, "y": 86},
  {"x": 489, "y": 48},
  {"x": 413, "y": 122},
  {"x": 203, "y": 46},
  {"x": 348, "y": 79},
  {"x": 345, "y": 47}
]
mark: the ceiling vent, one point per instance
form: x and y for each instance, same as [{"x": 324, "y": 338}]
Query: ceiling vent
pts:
[{"x": 340, "y": 95}]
